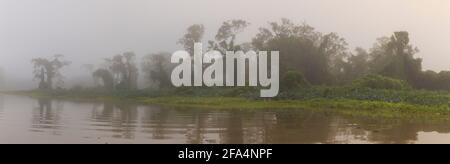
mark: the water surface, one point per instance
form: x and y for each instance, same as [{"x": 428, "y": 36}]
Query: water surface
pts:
[{"x": 27, "y": 120}]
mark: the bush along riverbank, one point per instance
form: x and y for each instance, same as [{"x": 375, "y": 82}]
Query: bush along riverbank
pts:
[{"x": 317, "y": 97}]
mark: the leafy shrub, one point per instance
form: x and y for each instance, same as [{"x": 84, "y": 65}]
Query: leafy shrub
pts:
[
  {"x": 293, "y": 80},
  {"x": 419, "y": 97},
  {"x": 380, "y": 82}
]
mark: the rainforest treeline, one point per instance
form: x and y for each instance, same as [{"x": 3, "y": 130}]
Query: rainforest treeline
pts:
[{"x": 307, "y": 58}]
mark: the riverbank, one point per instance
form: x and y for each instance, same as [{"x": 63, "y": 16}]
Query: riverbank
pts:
[
  {"x": 343, "y": 106},
  {"x": 347, "y": 106}
]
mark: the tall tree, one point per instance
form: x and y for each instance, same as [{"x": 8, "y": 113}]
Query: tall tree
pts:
[
  {"x": 124, "y": 70},
  {"x": 304, "y": 50},
  {"x": 225, "y": 39},
  {"x": 47, "y": 70},
  {"x": 394, "y": 57},
  {"x": 356, "y": 66},
  {"x": 193, "y": 35},
  {"x": 132, "y": 72},
  {"x": 106, "y": 78},
  {"x": 157, "y": 67}
]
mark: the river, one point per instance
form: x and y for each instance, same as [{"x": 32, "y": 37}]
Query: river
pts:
[{"x": 28, "y": 120}]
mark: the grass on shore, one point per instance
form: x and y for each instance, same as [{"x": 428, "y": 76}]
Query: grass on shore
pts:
[
  {"x": 411, "y": 104},
  {"x": 351, "y": 107},
  {"x": 344, "y": 106}
]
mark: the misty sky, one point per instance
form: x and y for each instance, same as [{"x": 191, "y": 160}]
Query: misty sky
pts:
[{"x": 86, "y": 31}]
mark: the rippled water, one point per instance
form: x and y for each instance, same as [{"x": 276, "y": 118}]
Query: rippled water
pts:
[{"x": 26, "y": 120}]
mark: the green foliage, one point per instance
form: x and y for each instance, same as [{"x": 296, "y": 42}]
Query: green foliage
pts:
[
  {"x": 431, "y": 80},
  {"x": 294, "y": 80},
  {"x": 380, "y": 82},
  {"x": 319, "y": 57},
  {"x": 357, "y": 66},
  {"x": 427, "y": 98},
  {"x": 367, "y": 94},
  {"x": 346, "y": 106},
  {"x": 249, "y": 92},
  {"x": 307, "y": 58},
  {"x": 394, "y": 57}
]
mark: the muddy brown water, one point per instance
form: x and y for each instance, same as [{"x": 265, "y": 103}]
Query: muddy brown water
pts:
[{"x": 28, "y": 120}]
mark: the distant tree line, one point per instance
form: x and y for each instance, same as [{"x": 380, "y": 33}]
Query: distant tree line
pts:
[{"x": 307, "y": 57}]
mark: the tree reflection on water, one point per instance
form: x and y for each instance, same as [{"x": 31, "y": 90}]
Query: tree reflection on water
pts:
[{"x": 156, "y": 124}]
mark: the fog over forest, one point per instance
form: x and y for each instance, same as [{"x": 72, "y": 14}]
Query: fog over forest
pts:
[{"x": 87, "y": 31}]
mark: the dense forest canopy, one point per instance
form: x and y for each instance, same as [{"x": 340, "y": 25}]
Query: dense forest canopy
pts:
[{"x": 307, "y": 57}]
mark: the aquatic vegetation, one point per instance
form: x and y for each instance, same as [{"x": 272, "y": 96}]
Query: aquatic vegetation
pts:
[
  {"x": 419, "y": 97},
  {"x": 380, "y": 82},
  {"x": 373, "y": 109},
  {"x": 346, "y": 100}
]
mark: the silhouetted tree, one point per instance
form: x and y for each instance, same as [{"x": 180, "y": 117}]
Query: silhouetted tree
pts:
[
  {"x": 132, "y": 72},
  {"x": 46, "y": 70},
  {"x": 394, "y": 57},
  {"x": 293, "y": 80},
  {"x": 157, "y": 68},
  {"x": 194, "y": 35},
  {"x": 225, "y": 39},
  {"x": 106, "y": 77},
  {"x": 124, "y": 71},
  {"x": 356, "y": 66},
  {"x": 302, "y": 49}
]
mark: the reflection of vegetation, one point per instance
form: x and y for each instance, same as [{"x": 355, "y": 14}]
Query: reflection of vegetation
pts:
[
  {"x": 158, "y": 118},
  {"x": 45, "y": 115},
  {"x": 278, "y": 126},
  {"x": 194, "y": 125},
  {"x": 385, "y": 130},
  {"x": 121, "y": 117}
]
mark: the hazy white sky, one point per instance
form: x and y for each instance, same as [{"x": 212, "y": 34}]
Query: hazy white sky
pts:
[{"x": 86, "y": 31}]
